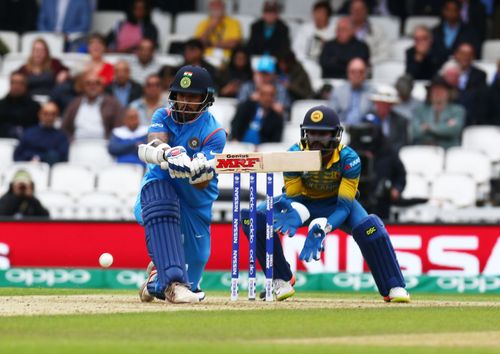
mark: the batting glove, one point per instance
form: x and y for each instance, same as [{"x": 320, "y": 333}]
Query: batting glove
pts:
[
  {"x": 179, "y": 163},
  {"x": 201, "y": 169},
  {"x": 314, "y": 244}
]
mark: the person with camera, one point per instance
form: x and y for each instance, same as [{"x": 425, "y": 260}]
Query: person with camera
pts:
[{"x": 19, "y": 200}]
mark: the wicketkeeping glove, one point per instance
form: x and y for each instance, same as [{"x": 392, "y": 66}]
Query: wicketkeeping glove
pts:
[
  {"x": 287, "y": 218},
  {"x": 314, "y": 244},
  {"x": 179, "y": 163},
  {"x": 201, "y": 169}
]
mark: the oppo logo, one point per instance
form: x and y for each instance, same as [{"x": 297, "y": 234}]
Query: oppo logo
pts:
[
  {"x": 131, "y": 278},
  {"x": 464, "y": 284},
  {"x": 4, "y": 260},
  {"x": 47, "y": 277}
]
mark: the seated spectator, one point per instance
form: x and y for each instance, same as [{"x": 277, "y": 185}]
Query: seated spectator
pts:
[
  {"x": 125, "y": 140},
  {"x": 123, "y": 88},
  {"x": 256, "y": 121},
  {"x": 293, "y": 76},
  {"x": 266, "y": 74},
  {"x": 407, "y": 103},
  {"x": 394, "y": 127},
  {"x": 64, "y": 93},
  {"x": 311, "y": 37},
  {"x": 232, "y": 75},
  {"x": 19, "y": 201},
  {"x": 150, "y": 101},
  {"x": 452, "y": 32},
  {"x": 144, "y": 63},
  {"x": 351, "y": 100},
  {"x": 97, "y": 48},
  {"x": 167, "y": 75},
  {"x": 269, "y": 34},
  {"x": 18, "y": 110},
  {"x": 193, "y": 55},
  {"x": 421, "y": 63},
  {"x": 127, "y": 34},
  {"x": 438, "y": 122},
  {"x": 18, "y": 16},
  {"x": 366, "y": 32},
  {"x": 71, "y": 17},
  {"x": 42, "y": 71},
  {"x": 219, "y": 33},
  {"x": 338, "y": 52},
  {"x": 93, "y": 115},
  {"x": 493, "y": 100},
  {"x": 44, "y": 142}
]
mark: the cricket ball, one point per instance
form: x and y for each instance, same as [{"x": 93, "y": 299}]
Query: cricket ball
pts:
[{"x": 106, "y": 260}]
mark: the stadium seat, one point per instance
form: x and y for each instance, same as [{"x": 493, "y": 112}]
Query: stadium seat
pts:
[
  {"x": 272, "y": 147},
  {"x": 293, "y": 26},
  {"x": 413, "y": 21},
  {"x": 12, "y": 62},
  {"x": 416, "y": 187},
  {"x": 11, "y": 40},
  {"x": 489, "y": 68},
  {"x": 121, "y": 179},
  {"x": 296, "y": 8},
  {"x": 484, "y": 138},
  {"x": 186, "y": 22},
  {"x": 421, "y": 159},
  {"x": 163, "y": 22},
  {"x": 4, "y": 86},
  {"x": 7, "y": 147},
  {"x": 312, "y": 69},
  {"x": 72, "y": 179},
  {"x": 104, "y": 21},
  {"x": 99, "y": 206},
  {"x": 399, "y": 47},
  {"x": 253, "y": 7},
  {"x": 113, "y": 58},
  {"x": 170, "y": 59},
  {"x": 246, "y": 24},
  {"x": 388, "y": 71},
  {"x": 491, "y": 50},
  {"x": 231, "y": 5},
  {"x": 470, "y": 215},
  {"x": 90, "y": 152},
  {"x": 299, "y": 109},
  {"x": 59, "y": 204},
  {"x": 75, "y": 61},
  {"x": 223, "y": 110},
  {"x": 291, "y": 134},
  {"x": 390, "y": 26},
  {"x": 419, "y": 91},
  {"x": 235, "y": 147},
  {"x": 39, "y": 172},
  {"x": 55, "y": 41},
  {"x": 451, "y": 190}
]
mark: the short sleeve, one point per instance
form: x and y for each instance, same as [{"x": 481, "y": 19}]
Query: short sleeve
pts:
[{"x": 158, "y": 121}]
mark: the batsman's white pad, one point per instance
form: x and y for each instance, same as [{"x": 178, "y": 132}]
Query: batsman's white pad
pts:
[{"x": 302, "y": 210}]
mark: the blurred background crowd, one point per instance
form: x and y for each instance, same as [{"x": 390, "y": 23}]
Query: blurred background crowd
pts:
[{"x": 415, "y": 83}]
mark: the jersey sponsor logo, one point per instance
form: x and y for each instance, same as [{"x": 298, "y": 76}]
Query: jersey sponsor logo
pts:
[
  {"x": 371, "y": 231},
  {"x": 194, "y": 143},
  {"x": 156, "y": 125},
  {"x": 352, "y": 164},
  {"x": 316, "y": 116}
]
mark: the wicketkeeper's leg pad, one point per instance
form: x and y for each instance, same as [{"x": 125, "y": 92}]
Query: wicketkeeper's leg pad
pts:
[
  {"x": 161, "y": 216},
  {"x": 375, "y": 245}
]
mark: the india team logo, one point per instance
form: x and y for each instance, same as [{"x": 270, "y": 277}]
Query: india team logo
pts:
[
  {"x": 194, "y": 143},
  {"x": 316, "y": 116},
  {"x": 185, "y": 82}
]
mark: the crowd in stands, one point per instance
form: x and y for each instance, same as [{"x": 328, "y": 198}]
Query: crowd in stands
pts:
[{"x": 265, "y": 73}]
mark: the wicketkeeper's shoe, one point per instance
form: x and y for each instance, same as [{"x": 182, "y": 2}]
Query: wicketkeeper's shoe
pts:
[
  {"x": 178, "y": 293},
  {"x": 262, "y": 294},
  {"x": 282, "y": 289},
  {"x": 397, "y": 295},
  {"x": 144, "y": 294}
]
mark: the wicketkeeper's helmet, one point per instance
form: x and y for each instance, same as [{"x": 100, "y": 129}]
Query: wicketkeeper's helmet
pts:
[{"x": 325, "y": 119}]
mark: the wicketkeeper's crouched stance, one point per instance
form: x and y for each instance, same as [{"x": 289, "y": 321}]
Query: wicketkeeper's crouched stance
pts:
[{"x": 325, "y": 200}]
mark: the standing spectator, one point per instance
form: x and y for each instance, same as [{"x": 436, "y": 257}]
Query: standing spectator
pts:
[
  {"x": 366, "y": 32},
  {"x": 18, "y": 16},
  {"x": 144, "y": 63},
  {"x": 311, "y": 37},
  {"x": 394, "y": 127},
  {"x": 151, "y": 101},
  {"x": 71, "y": 17},
  {"x": 19, "y": 201},
  {"x": 338, "y": 52},
  {"x": 18, "y": 110},
  {"x": 473, "y": 13},
  {"x": 125, "y": 140},
  {"x": 351, "y": 100},
  {"x": 93, "y": 115},
  {"x": 233, "y": 74},
  {"x": 438, "y": 122},
  {"x": 193, "y": 55},
  {"x": 407, "y": 104},
  {"x": 97, "y": 48},
  {"x": 293, "y": 76},
  {"x": 256, "y": 121},
  {"x": 219, "y": 32},
  {"x": 269, "y": 35},
  {"x": 127, "y": 34},
  {"x": 123, "y": 88},
  {"x": 44, "y": 142},
  {"x": 42, "y": 71},
  {"x": 421, "y": 63}
]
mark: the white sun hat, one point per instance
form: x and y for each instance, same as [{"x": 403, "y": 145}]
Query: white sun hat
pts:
[{"x": 385, "y": 93}]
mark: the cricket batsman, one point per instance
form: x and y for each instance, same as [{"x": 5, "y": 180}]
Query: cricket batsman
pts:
[
  {"x": 326, "y": 201},
  {"x": 179, "y": 187}
]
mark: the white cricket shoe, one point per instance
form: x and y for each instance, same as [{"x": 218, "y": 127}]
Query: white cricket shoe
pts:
[
  {"x": 282, "y": 289},
  {"x": 144, "y": 294},
  {"x": 178, "y": 293},
  {"x": 201, "y": 294},
  {"x": 397, "y": 294}
]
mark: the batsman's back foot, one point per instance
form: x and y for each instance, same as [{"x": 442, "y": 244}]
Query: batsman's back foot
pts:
[
  {"x": 178, "y": 293},
  {"x": 397, "y": 294}
]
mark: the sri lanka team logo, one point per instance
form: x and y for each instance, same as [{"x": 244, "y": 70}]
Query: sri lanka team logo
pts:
[{"x": 316, "y": 116}]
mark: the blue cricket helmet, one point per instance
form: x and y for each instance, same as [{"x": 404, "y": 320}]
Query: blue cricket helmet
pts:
[{"x": 322, "y": 118}]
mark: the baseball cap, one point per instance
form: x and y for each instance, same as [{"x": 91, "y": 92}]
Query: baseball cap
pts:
[
  {"x": 22, "y": 176},
  {"x": 266, "y": 64}
]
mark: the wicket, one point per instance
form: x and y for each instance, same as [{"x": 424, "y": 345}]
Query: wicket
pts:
[{"x": 252, "y": 237}]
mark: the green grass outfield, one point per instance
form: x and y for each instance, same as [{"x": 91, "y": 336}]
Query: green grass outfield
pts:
[{"x": 463, "y": 324}]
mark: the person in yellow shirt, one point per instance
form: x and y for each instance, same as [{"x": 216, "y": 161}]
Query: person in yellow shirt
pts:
[{"x": 219, "y": 33}]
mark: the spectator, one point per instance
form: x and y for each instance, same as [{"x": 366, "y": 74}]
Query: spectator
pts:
[
  {"x": 92, "y": 115},
  {"x": 293, "y": 76},
  {"x": 269, "y": 34},
  {"x": 366, "y": 32},
  {"x": 407, "y": 104},
  {"x": 394, "y": 127},
  {"x": 127, "y": 34},
  {"x": 266, "y": 74},
  {"x": 473, "y": 13},
  {"x": 256, "y": 121},
  {"x": 18, "y": 16},
  {"x": 144, "y": 63},
  {"x": 338, "y": 52},
  {"x": 421, "y": 64},
  {"x": 219, "y": 33},
  {"x": 493, "y": 100},
  {"x": 231, "y": 76},
  {"x": 451, "y": 32},
  {"x": 311, "y": 37},
  {"x": 167, "y": 75},
  {"x": 438, "y": 122},
  {"x": 125, "y": 140},
  {"x": 64, "y": 93},
  {"x": 44, "y": 142},
  {"x": 427, "y": 7},
  {"x": 123, "y": 88},
  {"x": 151, "y": 101},
  {"x": 19, "y": 200},
  {"x": 351, "y": 100},
  {"x": 97, "y": 48},
  {"x": 42, "y": 71},
  {"x": 18, "y": 110},
  {"x": 193, "y": 55}
]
